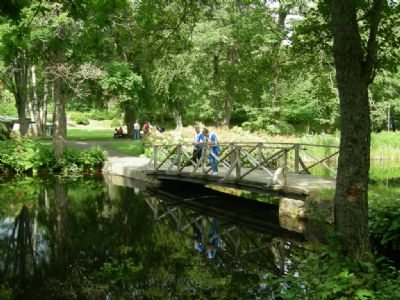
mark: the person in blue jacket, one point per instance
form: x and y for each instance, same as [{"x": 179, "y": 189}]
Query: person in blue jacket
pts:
[
  {"x": 198, "y": 140},
  {"x": 212, "y": 140}
]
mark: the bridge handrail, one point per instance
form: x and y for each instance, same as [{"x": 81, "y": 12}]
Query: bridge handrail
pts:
[
  {"x": 254, "y": 155},
  {"x": 245, "y": 143}
]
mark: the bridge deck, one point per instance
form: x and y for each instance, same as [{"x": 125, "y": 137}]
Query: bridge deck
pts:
[{"x": 296, "y": 184}]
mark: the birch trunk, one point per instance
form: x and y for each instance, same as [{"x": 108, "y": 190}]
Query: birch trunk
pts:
[{"x": 59, "y": 116}]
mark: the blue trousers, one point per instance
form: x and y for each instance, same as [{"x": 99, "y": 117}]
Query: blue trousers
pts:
[
  {"x": 136, "y": 134},
  {"x": 213, "y": 161}
]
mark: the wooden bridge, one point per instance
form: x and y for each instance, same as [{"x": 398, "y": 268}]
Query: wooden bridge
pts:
[{"x": 285, "y": 168}]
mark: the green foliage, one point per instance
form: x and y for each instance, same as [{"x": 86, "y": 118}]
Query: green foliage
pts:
[
  {"x": 104, "y": 114},
  {"x": 121, "y": 269},
  {"x": 6, "y": 293},
  {"x": 75, "y": 161},
  {"x": 329, "y": 275},
  {"x": 19, "y": 156},
  {"x": 115, "y": 122},
  {"x": 44, "y": 159},
  {"x": 121, "y": 83},
  {"x": 80, "y": 117},
  {"x": 29, "y": 155},
  {"x": 267, "y": 120},
  {"x": 384, "y": 95},
  {"x": 4, "y": 134},
  {"x": 7, "y": 105},
  {"x": 384, "y": 217}
]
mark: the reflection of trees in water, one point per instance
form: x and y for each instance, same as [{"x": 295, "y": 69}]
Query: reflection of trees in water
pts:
[
  {"x": 28, "y": 251},
  {"x": 60, "y": 229},
  {"x": 89, "y": 242},
  {"x": 20, "y": 259}
]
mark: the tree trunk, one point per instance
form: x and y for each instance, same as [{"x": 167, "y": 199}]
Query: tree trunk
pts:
[
  {"x": 59, "y": 116},
  {"x": 178, "y": 118},
  {"x": 43, "y": 106},
  {"x": 283, "y": 12},
  {"x": 228, "y": 107},
  {"x": 33, "y": 103},
  {"x": 21, "y": 92},
  {"x": 353, "y": 73},
  {"x": 215, "y": 97},
  {"x": 230, "y": 87},
  {"x": 130, "y": 116}
]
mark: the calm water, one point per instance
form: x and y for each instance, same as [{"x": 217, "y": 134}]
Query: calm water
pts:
[
  {"x": 112, "y": 238},
  {"x": 94, "y": 239}
]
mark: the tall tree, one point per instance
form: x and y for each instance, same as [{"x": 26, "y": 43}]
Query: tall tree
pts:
[
  {"x": 14, "y": 54},
  {"x": 355, "y": 65}
]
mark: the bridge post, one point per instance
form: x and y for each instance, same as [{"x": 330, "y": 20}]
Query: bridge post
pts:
[
  {"x": 259, "y": 152},
  {"x": 231, "y": 155},
  {"x": 178, "y": 157},
  {"x": 238, "y": 163},
  {"x": 297, "y": 158},
  {"x": 155, "y": 154},
  {"x": 284, "y": 166},
  {"x": 203, "y": 159}
]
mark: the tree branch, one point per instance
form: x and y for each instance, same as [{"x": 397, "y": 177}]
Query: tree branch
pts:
[{"x": 369, "y": 64}]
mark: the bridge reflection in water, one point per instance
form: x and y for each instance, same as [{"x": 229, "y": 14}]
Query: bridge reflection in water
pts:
[{"x": 228, "y": 226}]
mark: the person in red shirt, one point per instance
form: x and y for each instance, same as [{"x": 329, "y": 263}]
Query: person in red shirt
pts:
[{"x": 146, "y": 127}]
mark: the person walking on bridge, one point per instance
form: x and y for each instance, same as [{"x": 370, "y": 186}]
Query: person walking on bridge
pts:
[
  {"x": 212, "y": 140},
  {"x": 197, "y": 141}
]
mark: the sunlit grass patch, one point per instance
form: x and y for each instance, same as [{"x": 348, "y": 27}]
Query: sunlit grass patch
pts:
[
  {"x": 90, "y": 134},
  {"x": 133, "y": 148}
]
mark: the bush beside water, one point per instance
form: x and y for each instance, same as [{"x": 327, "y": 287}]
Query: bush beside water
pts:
[{"x": 29, "y": 156}]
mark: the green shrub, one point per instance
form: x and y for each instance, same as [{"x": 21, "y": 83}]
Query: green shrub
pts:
[
  {"x": 100, "y": 115},
  {"x": 115, "y": 122},
  {"x": 18, "y": 155},
  {"x": 22, "y": 156},
  {"x": 8, "y": 108},
  {"x": 330, "y": 275},
  {"x": 4, "y": 134},
  {"x": 82, "y": 120},
  {"x": 44, "y": 158},
  {"x": 70, "y": 161},
  {"x": 79, "y": 117},
  {"x": 384, "y": 218},
  {"x": 75, "y": 161},
  {"x": 93, "y": 157}
]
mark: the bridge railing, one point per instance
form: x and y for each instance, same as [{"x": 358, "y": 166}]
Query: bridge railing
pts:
[{"x": 238, "y": 160}]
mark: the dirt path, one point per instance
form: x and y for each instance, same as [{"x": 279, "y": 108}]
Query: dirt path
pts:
[{"x": 82, "y": 145}]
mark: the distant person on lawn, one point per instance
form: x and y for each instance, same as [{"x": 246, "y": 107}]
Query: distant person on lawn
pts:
[
  {"x": 136, "y": 130},
  {"x": 212, "y": 140},
  {"x": 118, "y": 132}
]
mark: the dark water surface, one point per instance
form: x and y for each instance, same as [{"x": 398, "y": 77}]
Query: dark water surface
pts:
[{"x": 97, "y": 239}]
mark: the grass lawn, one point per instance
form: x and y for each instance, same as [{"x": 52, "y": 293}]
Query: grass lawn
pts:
[
  {"x": 87, "y": 134},
  {"x": 133, "y": 148}
]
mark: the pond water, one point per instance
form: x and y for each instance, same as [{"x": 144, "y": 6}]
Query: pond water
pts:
[
  {"x": 114, "y": 238},
  {"x": 100, "y": 238}
]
